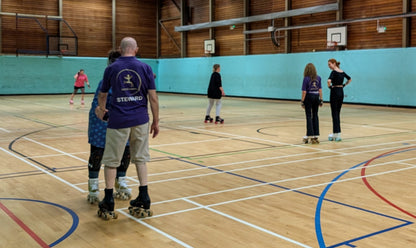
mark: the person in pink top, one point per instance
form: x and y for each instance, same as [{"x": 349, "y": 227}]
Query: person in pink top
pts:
[{"x": 80, "y": 79}]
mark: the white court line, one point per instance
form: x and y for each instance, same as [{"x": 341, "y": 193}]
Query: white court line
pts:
[
  {"x": 279, "y": 157},
  {"x": 54, "y": 149},
  {"x": 154, "y": 229},
  {"x": 285, "y": 180},
  {"x": 265, "y": 165},
  {"x": 43, "y": 170},
  {"x": 277, "y": 192},
  {"x": 246, "y": 137},
  {"x": 5, "y": 130},
  {"x": 249, "y": 224},
  {"x": 190, "y": 142}
]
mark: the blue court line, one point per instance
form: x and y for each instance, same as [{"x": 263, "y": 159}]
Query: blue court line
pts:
[
  {"x": 318, "y": 228},
  {"x": 321, "y": 198},
  {"x": 75, "y": 219}
]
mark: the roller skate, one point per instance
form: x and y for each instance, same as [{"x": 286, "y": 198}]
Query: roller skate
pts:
[
  {"x": 82, "y": 102},
  {"x": 314, "y": 140},
  {"x": 334, "y": 137},
  {"x": 219, "y": 120},
  {"x": 337, "y": 137},
  {"x": 140, "y": 207},
  {"x": 123, "y": 192},
  {"x": 94, "y": 191},
  {"x": 71, "y": 101},
  {"x": 106, "y": 206},
  {"x": 208, "y": 119},
  {"x": 305, "y": 139}
]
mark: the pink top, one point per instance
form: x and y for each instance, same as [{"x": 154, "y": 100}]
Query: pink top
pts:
[{"x": 80, "y": 79}]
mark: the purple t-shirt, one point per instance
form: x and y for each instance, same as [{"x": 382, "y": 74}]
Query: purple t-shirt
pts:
[
  {"x": 311, "y": 86},
  {"x": 129, "y": 80}
]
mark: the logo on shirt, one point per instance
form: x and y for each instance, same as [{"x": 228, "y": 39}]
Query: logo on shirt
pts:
[{"x": 130, "y": 81}]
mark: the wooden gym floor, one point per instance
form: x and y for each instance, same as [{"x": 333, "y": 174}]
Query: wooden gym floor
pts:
[{"x": 247, "y": 183}]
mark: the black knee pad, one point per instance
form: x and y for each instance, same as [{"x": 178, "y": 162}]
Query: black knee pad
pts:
[
  {"x": 96, "y": 155},
  {"x": 125, "y": 161}
]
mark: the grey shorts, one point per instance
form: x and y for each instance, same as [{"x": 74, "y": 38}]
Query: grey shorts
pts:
[{"x": 115, "y": 143}]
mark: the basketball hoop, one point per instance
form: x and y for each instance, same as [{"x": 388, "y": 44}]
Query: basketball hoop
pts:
[
  {"x": 63, "y": 51},
  {"x": 331, "y": 45}
]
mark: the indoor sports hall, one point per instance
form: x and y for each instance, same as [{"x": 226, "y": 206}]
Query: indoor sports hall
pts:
[{"x": 250, "y": 181}]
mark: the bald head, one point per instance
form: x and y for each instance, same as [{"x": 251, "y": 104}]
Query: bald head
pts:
[{"x": 128, "y": 46}]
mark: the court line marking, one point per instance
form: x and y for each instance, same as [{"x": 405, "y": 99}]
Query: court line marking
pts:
[
  {"x": 255, "y": 167},
  {"x": 24, "y": 226},
  {"x": 209, "y": 167},
  {"x": 371, "y": 188},
  {"x": 41, "y": 169},
  {"x": 282, "y": 181},
  {"x": 5, "y": 130},
  {"x": 285, "y": 190},
  {"x": 154, "y": 229},
  {"x": 318, "y": 228},
  {"x": 54, "y": 149},
  {"x": 248, "y": 224}
]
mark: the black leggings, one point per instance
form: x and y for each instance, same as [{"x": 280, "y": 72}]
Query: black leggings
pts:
[
  {"x": 94, "y": 162},
  {"x": 336, "y": 99},
  {"x": 311, "y": 111}
]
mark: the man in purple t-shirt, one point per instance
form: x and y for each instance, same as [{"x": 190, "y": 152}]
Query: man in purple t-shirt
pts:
[{"x": 132, "y": 83}]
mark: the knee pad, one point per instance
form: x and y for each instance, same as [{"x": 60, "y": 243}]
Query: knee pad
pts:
[
  {"x": 94, "y": 162},
  {"x": 125, "y": 160}
]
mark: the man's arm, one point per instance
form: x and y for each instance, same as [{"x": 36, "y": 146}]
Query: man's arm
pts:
[{"x": 154, "y": 106}]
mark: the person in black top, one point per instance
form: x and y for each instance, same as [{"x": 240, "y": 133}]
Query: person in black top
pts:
[
  {"x": 215, "y": 92},
  {"x": 336, "y": 85}
]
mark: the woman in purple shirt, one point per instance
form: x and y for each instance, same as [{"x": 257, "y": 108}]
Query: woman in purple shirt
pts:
[{"x": 311, "y": 101}]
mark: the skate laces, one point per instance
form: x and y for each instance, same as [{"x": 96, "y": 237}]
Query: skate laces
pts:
[
  {"x": 121, "y": 183},
  {"x": 93, "y": 186}
]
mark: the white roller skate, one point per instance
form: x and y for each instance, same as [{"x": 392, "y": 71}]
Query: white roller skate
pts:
[
  {"x": 123, "y": 192},
  {"x": 334, "y": 137},
  {"x": 93, "y": 190},
  {"x": 140, "y": 207},
  {"x": 106, "y": 206},
  {"x": 337, "y": 137}
]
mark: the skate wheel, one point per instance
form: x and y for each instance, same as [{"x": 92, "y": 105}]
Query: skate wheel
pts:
[
  {"x": 149, "y": 212},
  {"x": 114, "y": 215},
  {"x": 331, "y": 139},
  {"x": 102, "y": 214}
]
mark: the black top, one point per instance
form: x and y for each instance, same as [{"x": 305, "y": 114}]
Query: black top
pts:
[
  {"x": 337, "y": 78},
  {"x": 214, "y": 86}
]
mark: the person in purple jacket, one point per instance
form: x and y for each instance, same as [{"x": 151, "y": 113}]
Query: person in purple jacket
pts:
[
  {"x": 132, "y": 84},
  {"x": 311, "y": 101}
]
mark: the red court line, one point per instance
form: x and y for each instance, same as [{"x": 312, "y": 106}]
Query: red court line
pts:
[
  {"x": 363, "y": 177},
  {"x": 24, "y": 227}
]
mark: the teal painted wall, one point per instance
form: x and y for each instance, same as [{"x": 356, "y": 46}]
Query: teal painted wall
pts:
[
  {"x": 52, "y": 75},
  {"x": 381, "y": 76}
]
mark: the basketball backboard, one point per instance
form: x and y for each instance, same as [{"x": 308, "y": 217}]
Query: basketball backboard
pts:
[
  {"x": 209, "y": 46},
  {"x": 337, "y": 35}
]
